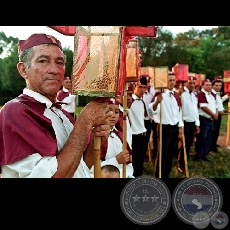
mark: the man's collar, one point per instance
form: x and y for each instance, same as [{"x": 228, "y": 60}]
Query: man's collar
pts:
[
  {"x": 38, "y": 97},
  {"x": 65, "y": 90}
]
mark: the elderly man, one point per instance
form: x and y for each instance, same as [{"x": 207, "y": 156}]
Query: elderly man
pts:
[{"x": 37, "y": 137}]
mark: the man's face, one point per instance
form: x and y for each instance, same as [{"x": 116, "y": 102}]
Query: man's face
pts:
[
  {"x": 46, "y": 72},
  {"x": 140, "y": 90},
  {"x": 217, "y": 86},
  {"x": 190, "y": 84},
  {"x": 207, "y": 86},
  {"x": 171, "y": 81},
  {"x": 67, "y": 84}
]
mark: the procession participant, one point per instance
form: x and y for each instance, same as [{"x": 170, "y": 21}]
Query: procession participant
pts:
[
  {"x": 171, "y": 124},
  {"x": 191, "y": 120},
  {"x": 119, "y": 124},
  {"x": 37, "y": 137},
  {"x": 208, "y": 113},
  {"x": 137, "y": 112},
  {"x": 110, "y": 171},
  {"x": 147, "y": 98},
  {"x": 64, "y": 95},
  {"x": 112, "y": 152},
  {"x": 216, "y": 88}
]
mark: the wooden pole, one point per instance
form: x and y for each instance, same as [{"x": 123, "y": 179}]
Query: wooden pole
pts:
[
  {"x": 185, "y": 154},
  {"x": 125, "y": 113},
  {"x": 184, "y": 146},
  {"x": 228, "y": 126},
  {"x": 160, "y": 142},
  {"x": 97, "y": 157}
]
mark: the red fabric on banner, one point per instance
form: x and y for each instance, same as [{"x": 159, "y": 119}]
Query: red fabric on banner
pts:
[{"x": 65, "y": 30}]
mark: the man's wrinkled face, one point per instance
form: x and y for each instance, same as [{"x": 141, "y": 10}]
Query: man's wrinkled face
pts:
[{"x": 46, "y": 72}]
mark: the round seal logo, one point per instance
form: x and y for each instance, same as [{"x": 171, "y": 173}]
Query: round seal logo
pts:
[
  {"x": 195, "y": 195},
  {"x": 219, "y": 220},
  {"x": 201, "y": 220},
  {"x": 145, "y": 200}
]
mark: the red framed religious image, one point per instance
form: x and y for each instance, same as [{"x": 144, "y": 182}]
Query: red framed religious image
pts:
[{"x": 161, "y": 77}]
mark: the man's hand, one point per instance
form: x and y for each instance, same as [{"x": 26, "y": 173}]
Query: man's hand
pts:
[
  {"x": 123, "y": 157},
  {"x": 180, "y": 132},
  {"x": 96, "y": 112},
  {"x": 101, "y": 131}
]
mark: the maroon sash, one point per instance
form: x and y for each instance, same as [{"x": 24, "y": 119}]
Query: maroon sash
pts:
[
  {"x": 175, "y": 94},
  {"x": 140, "y": 99},
  {"x": 61, "y": 95},
  {"x": 104, "y": 146},
  {"x": 26, "y": 133}
]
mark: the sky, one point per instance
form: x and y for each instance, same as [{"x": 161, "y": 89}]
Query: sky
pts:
[{"x": 23, "y": 32}]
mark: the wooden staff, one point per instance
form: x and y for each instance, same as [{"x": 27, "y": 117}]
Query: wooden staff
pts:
[
  {"x": 97, "y": 157},
  {"x": 160, "y": 137},
  {"x": 228, "y": 126},
  {"x": 160, "y": 82},
  {"x": 184, "y": 146},
  {"x": 125, "y": 113}
]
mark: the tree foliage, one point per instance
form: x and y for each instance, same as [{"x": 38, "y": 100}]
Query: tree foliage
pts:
[
  {"x": 206, "y": 52},
  {"x": 11, "y": 82}
]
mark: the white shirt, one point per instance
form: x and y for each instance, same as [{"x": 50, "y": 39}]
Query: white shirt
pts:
[
  {"x": 219, "y": 101},
  {"x": 115, "y": 146},
  {"x": 171, "y": 114},
  {"x": 190, "y": 110},
  {"x": 136, "y": 116},
  {"x": 212, "y": 105},
  {"x": 70, "y": 100},
  {"x": 128, "y": 127},
  {"x": 147, "y": 98},
  {"x": 36, "y": 166}
]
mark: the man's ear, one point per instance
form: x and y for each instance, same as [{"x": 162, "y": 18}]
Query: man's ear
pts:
[{"x": 22, "y": 70}]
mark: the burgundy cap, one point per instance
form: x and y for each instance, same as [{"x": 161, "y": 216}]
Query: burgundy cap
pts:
[
  {"x": 130, "y": 87},
  {"x": 144, "y": 79},
  {"x": 112, "y": 101},
  {"x": 37, "y": 39},
  {"x": 205, "y": 80},
  {"x": 217, "y": 78},
  {"x": 191, "y": 78}
]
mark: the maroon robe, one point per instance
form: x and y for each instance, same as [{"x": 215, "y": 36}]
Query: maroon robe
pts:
[
  {"x": 104, "y": 146},
  {"x": 62, "y": 95},
  {"x": 26, "y": 133}
]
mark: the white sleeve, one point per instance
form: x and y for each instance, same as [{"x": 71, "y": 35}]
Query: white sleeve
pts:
[
  {"x": 35, "y": 166},
  {"x": 225, "y": 97},
  {"x": 151, "y": 111}
]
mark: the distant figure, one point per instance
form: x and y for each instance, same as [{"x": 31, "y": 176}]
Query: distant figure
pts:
[
  {"x": 65, "y": 96},
  {"x": 110, "y": 171}
]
